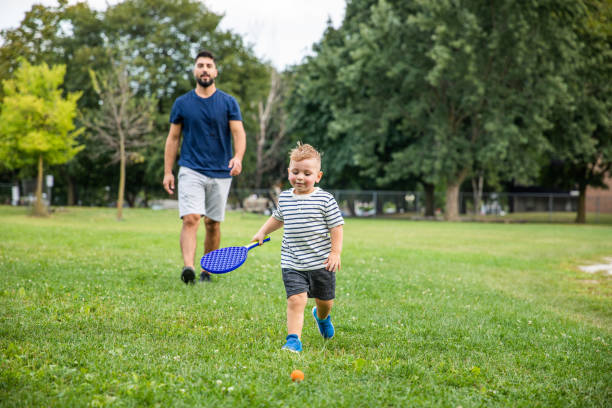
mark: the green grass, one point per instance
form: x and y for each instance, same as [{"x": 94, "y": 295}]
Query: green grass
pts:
[
  {"x": 511, "y": 218},
  {"x": 92, "y": 313},
  {"x": 547, "y": 217}
]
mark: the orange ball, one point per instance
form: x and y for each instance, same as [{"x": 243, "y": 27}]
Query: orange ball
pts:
[{"x": 297, "y": 375}]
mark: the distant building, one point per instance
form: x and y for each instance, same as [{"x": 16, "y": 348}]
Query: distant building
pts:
[{"x": 599, "y": 199}]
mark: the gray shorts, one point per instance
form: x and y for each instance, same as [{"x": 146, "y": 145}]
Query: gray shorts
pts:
[
  {"x": 202, "y": 195},
  {"x": 318, "y": 283}
]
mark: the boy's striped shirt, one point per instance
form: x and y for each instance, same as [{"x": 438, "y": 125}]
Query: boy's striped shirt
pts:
[{"x": 307, "y": 220}]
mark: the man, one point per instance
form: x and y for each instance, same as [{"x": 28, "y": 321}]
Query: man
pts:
[{"x": 208, "y": 120}]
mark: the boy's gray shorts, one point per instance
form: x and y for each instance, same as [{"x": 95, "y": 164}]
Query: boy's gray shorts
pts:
[
  {"x": 202, "y": 195},
  {"x": 318, "y": 283}
]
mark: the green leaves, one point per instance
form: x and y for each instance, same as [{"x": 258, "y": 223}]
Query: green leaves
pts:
[
  {"x": 581, "y": 129},
  {"x": 36, "y": 119},
  {"x": 158, "y": 39},
  {"x": 434, "y": 91}
]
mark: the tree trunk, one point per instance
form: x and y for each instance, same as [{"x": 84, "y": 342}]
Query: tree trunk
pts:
[
  {"x": 39, "y": 206},
  {"x": 477, "y": 184},
  {"x": 400, "y": 203},
  {"x": 70, "y": 191},
  {"x": 121, "y": 176},
  {"x": 430, "y": 200},
  {"x": 145, "y": 199},
  {"x": 380, "y": 205},
  {"x": 452, "y": 197},
  {"x": 263, "y": 151},
  {"x": 130, "y": 198},
  {"x": 351, "y": 206},
  {"x": 581, "y": 214}
]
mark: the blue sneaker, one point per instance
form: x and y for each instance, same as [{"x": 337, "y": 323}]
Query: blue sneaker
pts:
[
  {"x": 326, "y": 328},
  {"x": 293, "y": 344}
]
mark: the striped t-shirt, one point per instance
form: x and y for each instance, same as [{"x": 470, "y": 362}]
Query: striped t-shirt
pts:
[{"x": 307, "y": 219}]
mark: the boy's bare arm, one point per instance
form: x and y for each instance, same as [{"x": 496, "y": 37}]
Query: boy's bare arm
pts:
[
  {"x": 269, "y": 226},
  {"x": 333, "y": 260}
]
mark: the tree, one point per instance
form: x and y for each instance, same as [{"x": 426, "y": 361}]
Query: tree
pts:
[
  {"x": 314, "y": 93},
  {"x": 37, "y": 123},
  {"x": 68, "y": 35},
  {"x": 439, "y": 90},
  {"x": 582, "y": 135},
  {"x": 159, "y": 39},
  {"x": 328, "y": 101},
  {"x": 72, "y": 36},
  {"x": 271, "y": 135},
  {"x": 123, "y": 122}
]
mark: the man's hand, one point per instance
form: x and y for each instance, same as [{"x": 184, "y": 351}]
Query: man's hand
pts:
[
  {"x": 169, "y": 183},
  {"x": 236, "y": 166}
]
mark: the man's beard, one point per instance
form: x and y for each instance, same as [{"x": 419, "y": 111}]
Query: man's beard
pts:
[{"x": 204, "y": 83}]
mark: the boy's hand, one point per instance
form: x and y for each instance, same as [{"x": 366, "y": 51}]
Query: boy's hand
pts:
[
  {"x": 333, "y": 262},
  {"x": 270, "y": 226},
  {"x": 259, "y": 237}
]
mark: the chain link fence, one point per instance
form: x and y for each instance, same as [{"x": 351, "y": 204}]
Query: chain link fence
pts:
[
  {"x": 24, "y": 192},
  {"x": 510, "y": 207},
  {"x": 352, "y": 203},
  {"x": 502, "y": 207}
]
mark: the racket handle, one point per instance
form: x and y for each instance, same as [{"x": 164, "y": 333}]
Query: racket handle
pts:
[{"x": 254, "y": 244}]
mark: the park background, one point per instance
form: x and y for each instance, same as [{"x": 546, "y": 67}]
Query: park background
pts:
[
  {"x": 449, "y": 109},
  {"x": 428, "y": 111}
]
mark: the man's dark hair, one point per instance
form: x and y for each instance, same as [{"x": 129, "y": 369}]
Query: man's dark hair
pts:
[{"x": 205, "y": 54}]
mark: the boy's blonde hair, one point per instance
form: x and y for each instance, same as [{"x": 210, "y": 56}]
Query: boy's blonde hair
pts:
[{"x": 304, "y": 151}]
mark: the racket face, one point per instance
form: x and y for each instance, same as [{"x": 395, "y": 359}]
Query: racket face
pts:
[{"x": 224, "y": 260}]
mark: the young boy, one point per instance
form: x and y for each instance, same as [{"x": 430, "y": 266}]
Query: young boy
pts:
[{"x": 312, "y": 243}]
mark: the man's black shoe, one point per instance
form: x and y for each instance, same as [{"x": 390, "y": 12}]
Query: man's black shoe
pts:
[
  {"x": 188, "y": 275},
  {"x": 205, "y": 276}
]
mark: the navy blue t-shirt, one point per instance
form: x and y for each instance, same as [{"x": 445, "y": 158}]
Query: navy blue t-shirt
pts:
[{"x": 207, "y": 139}]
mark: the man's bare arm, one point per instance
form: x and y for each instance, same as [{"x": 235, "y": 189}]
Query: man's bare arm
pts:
[
  {"x": 170, "y": 151},
  {"x": 239, "y": 136}
]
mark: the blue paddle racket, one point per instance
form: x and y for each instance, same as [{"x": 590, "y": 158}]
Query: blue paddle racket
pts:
[{"x": 227, "y": 259}]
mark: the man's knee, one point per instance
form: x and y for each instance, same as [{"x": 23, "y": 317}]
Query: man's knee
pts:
[
  {"x": 191, "y": 220},
  {"x": 211, "y": 225}
]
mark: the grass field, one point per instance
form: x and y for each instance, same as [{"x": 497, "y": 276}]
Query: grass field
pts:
[
  {"x": 512, "y": 218},
  {"x": 92, "y": 313},
  {"x": 546, "y": 217}
]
